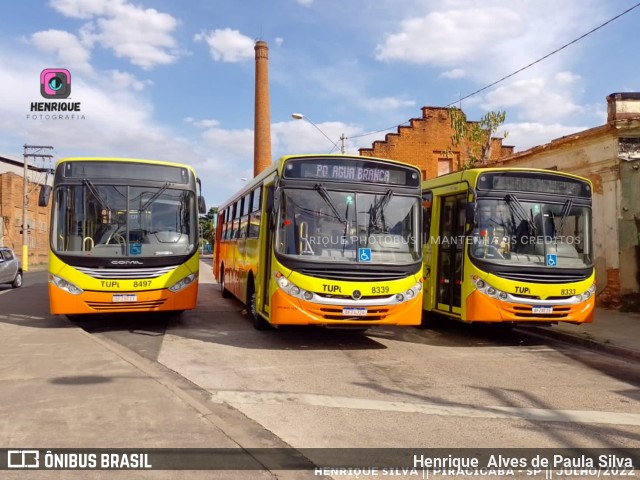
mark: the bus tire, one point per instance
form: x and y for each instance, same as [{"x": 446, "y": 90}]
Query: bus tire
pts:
[
  {"x": 223, "y": 289},
  {"x": 258, "y": 322}
]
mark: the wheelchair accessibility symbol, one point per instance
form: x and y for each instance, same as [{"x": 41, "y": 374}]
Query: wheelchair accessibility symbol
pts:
[
  {"x": 552, "y": 260},
  {"x": 364, "y": 254}
]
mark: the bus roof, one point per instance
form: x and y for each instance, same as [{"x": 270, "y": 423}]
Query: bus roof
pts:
[
  {"x": 125, "y": 160},
  {"x": 471, "y": 175}
]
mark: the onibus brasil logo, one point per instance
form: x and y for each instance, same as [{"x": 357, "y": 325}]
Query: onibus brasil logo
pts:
[{"x": 55, "y": 85}]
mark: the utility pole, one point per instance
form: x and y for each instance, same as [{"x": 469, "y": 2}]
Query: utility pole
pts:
[
  {"x": 25, "y": 197},
  {"x": 342, "y": 139}
]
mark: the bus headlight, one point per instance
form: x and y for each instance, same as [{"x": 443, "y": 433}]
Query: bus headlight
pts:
[
  {"x": 180, "y": 284},
  {"x": 485, "y": 288},
  {"x": 291, "y": 289},
  {"x": 413, "y": 291},
  {"x": 65, "y": 285},
  {"x": 589, "y": 293}
]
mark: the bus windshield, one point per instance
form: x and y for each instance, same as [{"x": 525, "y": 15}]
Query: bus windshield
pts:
[
  {"x": 346, "y": 226},
  {"x": 123, "y": 221},
  {"x": 513, "y": 231}
]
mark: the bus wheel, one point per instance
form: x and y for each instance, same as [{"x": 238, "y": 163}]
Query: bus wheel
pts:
[
  {"x": 223, "y": 290},
  {"x": 259, "y": 323}
]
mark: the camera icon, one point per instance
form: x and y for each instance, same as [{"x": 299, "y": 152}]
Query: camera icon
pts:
[{"x": 55, "y": 83}]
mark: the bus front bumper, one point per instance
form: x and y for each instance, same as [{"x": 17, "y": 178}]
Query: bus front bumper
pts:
[
  {"x": 482, "y": 308},
  {"x": 287, "y": 310},
  {"x": 89, "y": 302}
]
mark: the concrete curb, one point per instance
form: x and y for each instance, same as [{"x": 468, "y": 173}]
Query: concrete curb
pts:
[{"x": 582, "y": 340}]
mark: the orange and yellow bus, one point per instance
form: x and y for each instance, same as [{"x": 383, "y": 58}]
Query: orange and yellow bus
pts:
[
  {"x": 124, "y": 236},
  {"x": 329, "y": 240},
  {"x": 508, "y": 245}
]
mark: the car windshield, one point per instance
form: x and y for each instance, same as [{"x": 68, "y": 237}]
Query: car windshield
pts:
[
  {"x": 114, "y": 221},
  {"x": 512, "y": 231},
  {"x": 344, "y": 226}
]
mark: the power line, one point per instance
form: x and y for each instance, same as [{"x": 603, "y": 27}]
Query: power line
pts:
[
  {"x": 547, "y": 55},
  {"x": 517, "y": 71}
]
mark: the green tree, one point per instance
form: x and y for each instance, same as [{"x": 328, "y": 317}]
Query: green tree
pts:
[
  {"x": 207, "y": 224},
  {"x": 476, "y": 137}
]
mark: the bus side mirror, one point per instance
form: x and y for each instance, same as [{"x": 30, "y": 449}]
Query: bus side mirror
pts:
[
  {"x": 43, "y": 197},
  {"x": 202, "y": 205}
]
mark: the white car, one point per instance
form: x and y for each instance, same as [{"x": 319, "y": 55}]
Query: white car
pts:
[{"x": 10, "y": 270}]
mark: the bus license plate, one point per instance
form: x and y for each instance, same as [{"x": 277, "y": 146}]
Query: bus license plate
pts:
[
  {"x": 126, "y": 297},
  {"x": 542, "y": 310},
  {"x": 356, "y": 312}
]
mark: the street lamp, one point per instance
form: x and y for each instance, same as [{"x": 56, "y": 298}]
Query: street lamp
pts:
[{"x": 299, "y": 116}]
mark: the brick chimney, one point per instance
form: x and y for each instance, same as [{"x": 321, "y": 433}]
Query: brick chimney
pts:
[
  {"x": 623, "y": 106},
  {"x": 262, "y": 126}
]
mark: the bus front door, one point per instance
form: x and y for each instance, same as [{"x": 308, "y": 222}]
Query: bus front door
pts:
[{"x": 451, "y": 253}]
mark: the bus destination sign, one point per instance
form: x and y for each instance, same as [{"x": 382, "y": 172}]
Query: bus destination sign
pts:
[{"x": 351, "y": 170}]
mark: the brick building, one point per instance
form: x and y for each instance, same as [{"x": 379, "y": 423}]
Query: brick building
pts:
[
  {"x": 11, "y": 202},
  {"x": 424, "y": 143}
]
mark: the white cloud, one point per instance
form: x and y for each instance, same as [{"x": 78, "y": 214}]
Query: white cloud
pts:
[
  {"x": 530, "y": 134},
  {"x": 454, "y": 74},
  {"x": 385, "y": 104},
  {"x": 227, "y": 45},
  {"x": 70, "y": 51},
  {"x": 301, "y": 136},
  {"x": 448, "y": 36},
  {"x": 204, "y": 123},
  {"x": 119, "y": 121},
  {"x": 536, "y": 99},
  {"x": 483, "y": 45},
  {"x": 82, "y": 8},
  {"x": 305, "y": 3},
  {"x": 567, "y": 78},
  {"x": 143, "y": 36},
  {"x": 125, "y": 81}
]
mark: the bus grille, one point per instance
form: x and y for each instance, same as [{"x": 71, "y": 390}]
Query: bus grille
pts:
[
  {"x": 355, "y": 275},
  {"x": 545, "y": 277},
  {"x": 109, "y": 306},
  {"x": 125, "y": 273}
]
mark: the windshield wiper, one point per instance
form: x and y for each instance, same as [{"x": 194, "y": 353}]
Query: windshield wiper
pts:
[
  {"x": 325, "y": 196},
  {"x": 154, "y": 196},
  {"x": 566, "y": 208},
  {"x": 519, "y": 211},
  {"x": 376, "y": 213},
  {"x": 94, "y": 191}
]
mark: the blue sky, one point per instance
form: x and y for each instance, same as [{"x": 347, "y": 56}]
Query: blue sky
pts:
[{"x": 175, "y": 80}]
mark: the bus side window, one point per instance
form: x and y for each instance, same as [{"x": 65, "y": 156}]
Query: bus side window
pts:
[
  {"x": 254, "y": 217},
  {"x": 427, "y": 200}
]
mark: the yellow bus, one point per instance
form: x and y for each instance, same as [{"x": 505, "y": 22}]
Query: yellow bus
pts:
[
  {"x": 124, "y": 236},
  {"x": 508, "y": 245},
  {"x": 329, "y": 240}
]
